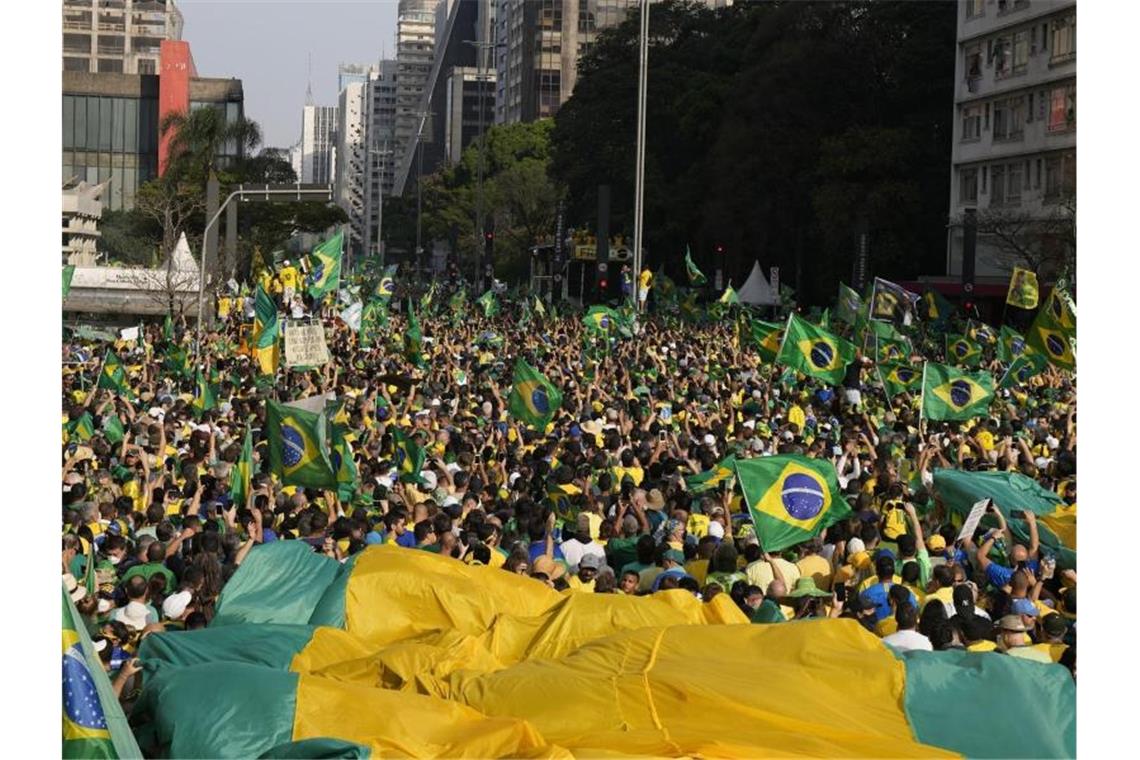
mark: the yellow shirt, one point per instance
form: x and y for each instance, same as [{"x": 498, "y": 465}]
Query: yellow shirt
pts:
[
  {"x": 577, "y": 584},
  {"x": 645, "y": 278},
  {"x": 982, "y": 646},
  {"x": 698, "y": 525},
  {"x": 1053, "y": 650},
  {"x": 797, "y": 417},
  {"x": 760, "y": 573},
  {"x": 818, "y": 569},
  {"x": 289, "y": 277},
  {"x": 986, "y": 438}
]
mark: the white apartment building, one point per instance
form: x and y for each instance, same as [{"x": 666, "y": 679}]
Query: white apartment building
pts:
[
  {"x": 1015, "y": 128},
  {"x": 318, "y": 131},
  {"x": 415, "y": 43},
  {"x": 117, "y": 36},
  {"x": 349, "y": 179},
  {"x": 380, "y": 172}
]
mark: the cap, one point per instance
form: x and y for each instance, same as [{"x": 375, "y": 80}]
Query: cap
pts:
[
  {"x": 1012, "y": 623},
  {"x": 176, "y": 604},
  {"x": 936, "y": 543},
  {"x": 1023, "y": 607},
  {"x": 590, "y": 562},
  {"x": 675, "y": 555}
]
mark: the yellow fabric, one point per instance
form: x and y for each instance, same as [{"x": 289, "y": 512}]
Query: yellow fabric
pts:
[
  {"x": 1063, "y": 522},
  {"x": 797, "y": 417},
  {"x": 982, "y": 646},
  {"x": 440, "y": 658}
]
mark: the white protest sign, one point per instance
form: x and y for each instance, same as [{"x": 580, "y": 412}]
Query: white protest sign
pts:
[
  {"x": 305, "y": 345},
  {"x": 972, "y": 520},
  {"x": 129, "y": 333},
  {"x": 351, "y": 316}
]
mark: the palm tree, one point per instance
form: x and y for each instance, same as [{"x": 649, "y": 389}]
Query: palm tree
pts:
[{"x": 197, "y": 137}]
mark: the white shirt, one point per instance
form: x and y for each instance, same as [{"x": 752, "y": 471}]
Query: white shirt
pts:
[
  {"x": 906, "y": 641},
  {"x": 573, "y": 550}
]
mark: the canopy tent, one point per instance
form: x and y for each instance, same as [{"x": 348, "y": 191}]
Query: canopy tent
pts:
[{"x": 756, "y": 289}]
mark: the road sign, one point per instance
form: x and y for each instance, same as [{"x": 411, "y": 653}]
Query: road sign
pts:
[{"x": 603, "y": 266}]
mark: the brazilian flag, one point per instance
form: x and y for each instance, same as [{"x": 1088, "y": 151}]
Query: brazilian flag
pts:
[
  {"x": 373, "y": 316},
  {"x": 848, "y": 306},
  {"x": 962, "y": 351},
  {"x": 113, "y": 429},
  {"x": 1011, "y": 344},
  {"x": 981, "y": 333},
  {"x": 457, "y": 301},
  {"x": 81, "y": 429},
  {"x": 791, "y": 498},
  {"x": 266, "y": 330},
  {"x": 533, "y": 399},
  {"x": 892, "y": 349},
  {"x": 722, "y": 472},
  {"x": 1022, "y": 289},
  {"x": 387, "y": 285},
  {"x": 489, "y": 303},
  {"x": 766, "y": 336},
  {"x": 344, "y": 465},
  {"x": 601, "y": 319},
  {"x": 298, "y": 448},
  {"x": 814, "y": 351},
  {"x": 899, "y": 378},
  {"x": 325, "y": 260},
  {"x": 950, "y": 394},
  {"x": 409, "y": 457},
  {"x": 204, "y": 399},
  {"x": 1022, "y": 368},
  {"x": 891, "y": 301},
  {"x": 1054, "y": 330},
  {"x": 933, "y": 307},
  {"x": 242, "y": 472},
  {"x": 729, "y": 296},
  {"x": 114, "y": 375},
  {"x": 696, "y": 277},
  {"x": 428, "y": 297}
]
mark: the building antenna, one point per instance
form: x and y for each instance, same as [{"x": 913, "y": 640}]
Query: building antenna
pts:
[{"x": 309, "y": 89}]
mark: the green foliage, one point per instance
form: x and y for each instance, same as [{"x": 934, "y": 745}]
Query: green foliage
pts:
[
  {"x": 130, "y": 238},
  {"x": 771, "y": 129}
]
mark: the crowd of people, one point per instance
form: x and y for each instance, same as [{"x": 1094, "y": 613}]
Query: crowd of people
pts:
[{"x": 597, "y": 502}]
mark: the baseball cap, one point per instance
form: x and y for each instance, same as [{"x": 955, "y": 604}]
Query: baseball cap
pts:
[
  {"x": 590, "y": 561},
  {"x": 176, "y": 604},
  {"x": 936, "y": 543},
  {"x": 1023, "y": 607}
]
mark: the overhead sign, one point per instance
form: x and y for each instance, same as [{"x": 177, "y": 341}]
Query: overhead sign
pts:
[{"x": 305, "y": 345}]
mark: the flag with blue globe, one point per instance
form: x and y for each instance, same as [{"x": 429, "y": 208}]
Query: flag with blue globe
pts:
[
  {"x": 790, "y": 498},
  {"x": 534, "y": 400}
]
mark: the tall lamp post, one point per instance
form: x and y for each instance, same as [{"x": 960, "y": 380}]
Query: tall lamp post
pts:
[
  {"x": 481, "y": 78},
  {"x": 639, "y": 182},
  {"x": 380, "y": 198},
  {"x": 419, "y": 189}
]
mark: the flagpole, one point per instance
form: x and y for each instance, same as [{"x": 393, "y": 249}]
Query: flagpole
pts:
[
  {"x": 784, "y": 339},
  {"x": 922, "y": 402},
  {"x": 886, "y": 392}
]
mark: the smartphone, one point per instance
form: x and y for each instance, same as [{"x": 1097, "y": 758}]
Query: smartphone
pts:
[
  {"x": 661, "y": 434},
  {"x": 841, "y": 593}
]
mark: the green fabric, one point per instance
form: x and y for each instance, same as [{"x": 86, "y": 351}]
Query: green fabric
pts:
[
  {"x": 330, "y": 609},
  {"x": 298, "y": 449},
  {"x": 149, "y": 569},
  {"x": 114, "y": 375},
  {"x": 281, "y": 582},
  {"x": 814, "y": 351},
  {"x": 534, "y": 400},
  {"x": 990, "y": 705},
  {"x": 848, "y": 306},
  {"x": 319, "y": 749},
  {"x": 766, "y": 337},
  {"x": 710, "y": 479},
  {"x": 68, "y": 274},
  {"x": 950, "y": 394},
  {"x": 194, "y": 722},
  {"x": 768, "y": 612},
  {"x": 268, "y": 645},
  {"x": 696, "y": 277},
  {"x": 243, "y": 470}
]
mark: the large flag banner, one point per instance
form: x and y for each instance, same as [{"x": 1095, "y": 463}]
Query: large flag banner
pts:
[
  {"x": 68, "y": 274},
  {"x": 696, "y": 276},
  {"x": 114, "y": 375},
  {"x": 791, "y": 498},
  {"x": 899, "y": 378},
  {"x": 1055, "y": 329},
  {"x": 892, "y": 302},
  {"x": 533, "y": 399},
  {"x": 94, "y": 725},
  {"x": 1011, "y": 344},
  {"x": 298, "y": 448},
  {"x": 266, "y": 347},
  {"x": 848, "y": 306},
  {"x": 325, "y": 259},
  {"x": 409, "y": 457},
  {"x": 950, "y": 394},
  {"x": 1023, "y": 291},
  {"x": 962, "y": 351},
  {"x": 722, "y": 472},
  {"x": 814, "y": 351},
  {"x": 242, "y": 472},
  {"x": 766, "y": 336}
]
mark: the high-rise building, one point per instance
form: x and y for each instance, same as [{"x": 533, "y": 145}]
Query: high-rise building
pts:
[
  {"x": 351, "y": 155},
  {"x": 117, "y": 36},
  {"x": 380, "y": 120},
  {"x": 1014, "y": 156},
  {"x": 318, "y": 129},
  {"x": 467, "y": 90},
  {"x": 347, "y": 73},
  {"x": 415, "y": 41}
]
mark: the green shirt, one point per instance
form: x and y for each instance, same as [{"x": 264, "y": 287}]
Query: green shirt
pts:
[
  {"x": 768, "y": 612},
  {"x": 621, "y": 551},
  {"x": 149, "y": 569}
]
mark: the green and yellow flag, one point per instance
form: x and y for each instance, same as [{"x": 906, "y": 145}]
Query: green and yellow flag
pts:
[
  {"x": 68, "y": 274},
  {"x": 534, "y": 399},
  {"x": 298, "y": 448},
  {"x": 81, "y": 429},
  {"x": 981, "y": 333},
  {"x": 242, "y": 472},
  {"x": 729, "y": 296},
  {"x": 962, "y": 351},
  {"x": 696, "y": 277},
  {"x": 814, "y": 351},
  {"x": 602, "y": 319},
  {"x": 1055, "y": 329},
  {"x": 168, "y": 328},
  {"x": 1023, "y": 291},
  {"x": 791, "y": 498},
  {"x": 113, "y": 429},
  {"x": 950, "y": 394},
  {"x": 373, "y": 316},
  {"x": 1011, "y": 344},
  {"x": 489, "y": 303},
  {"x": 722, "y": 472},
  {"x": 344, "y": 465},
  {"x": 266, "y": 331},
  {"x": 892, "y": 349},
  {"x": 457, "y": 301},
  {"x": 539, "y": 308},
  {"x": 387, "y": 285},
  {"x": 409, "y": 457},
  {"x": 94, "y": 725},
  {"x": 848, "y": 306},
  {"x": 428, "y": 297},
  {"x": 413, "y": 337},
  {"x": 898, "y": 377},
  {"x": 204, "y": 399},
  {"x": 324, "y": 276},
  {"x": 1022, "y": 368},
  {"x": 766, "y": 337},
  {"x": 114, "y": 375},
  {"x": 933, "y": 307}
]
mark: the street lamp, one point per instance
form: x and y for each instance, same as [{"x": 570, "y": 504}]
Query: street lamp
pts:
[
  {"x": 639, "y": 189},
  {"x": 379, "y": 197},
  {"x": 419, "y": 187},
  {"x": 480, "y": 77}
]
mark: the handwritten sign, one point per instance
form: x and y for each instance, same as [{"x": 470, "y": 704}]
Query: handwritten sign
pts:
[
  {"x": 972, "y": 520},
  {"x": 305, "y": 345}
]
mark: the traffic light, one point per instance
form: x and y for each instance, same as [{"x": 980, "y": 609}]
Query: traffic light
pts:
[
  {"x": 719, "y": 249},
  {"x": 489, "y": 242},
  {"x": 603, "y": 278}
]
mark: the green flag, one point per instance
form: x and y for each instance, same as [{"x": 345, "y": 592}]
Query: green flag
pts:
[
  {"x": 113, "y": 429},
  {"x": 1011, "y": 344},
  {"x": 457, "y": 301},
  {"x": 696, "y": 277},
  {"x": 168, "y": 328},
  {"x": 94, "y": 725},
  {"x": 298, "y": 447},
  {"x": 204, "y": 399},
  {"x": 892, "y": 349},
  {"x": 409, "y": 457},
  {"x": 898, "y": 377},
  {"x": 387, "y": 285},
  {"x": 534, "y": 399},
  {"x": 1055, "y": 329},
  {"x": 413, "y": 337},
  {"x": 963, "y": 352},
  {"x": 68, "y": 273},
  {"x": 344, "y": 465},
  {"x": 428, "y": 297},
  {"x": 814, "y": 351},
  {"x": 933, "y": 307},
  {"x": 242, "y": 472},
  {"x": 114, "y": 375},
  {"x": 81, "y": 429},
  {"x": 791, "y": 498},
  {"x": 729, "y": 296},
  {"x": 602, "y": 319},
  {"x": 1022, "y": 369},
  {"x": 722, "y": 472},
  {"x": 324, "y": 276},
  {"x": 848, "y": 306},
  {"x": 489, "y": 303},
  {"x": 950, "y": 394},
  {"x": 373, "y": 316},
  {"x": 766, "y": 337},
  {"x": 266, "y": 331}
]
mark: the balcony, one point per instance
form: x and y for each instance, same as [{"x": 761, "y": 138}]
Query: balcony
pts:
[
  {"x": 77, "y": 49},
  {"x": 112, "y": 26},
  {"x": 80, "y": 24},
  {"x": 110, "y": 50}
]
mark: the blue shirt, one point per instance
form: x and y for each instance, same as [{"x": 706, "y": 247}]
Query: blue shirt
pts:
[
  {"x": 408, "y": 539},
  {"x": 538, "y": 548},
  {"x": 1000, "y": 575},
  {"x": 268, "y": 535},
  {"x": 878, "y": 596}
]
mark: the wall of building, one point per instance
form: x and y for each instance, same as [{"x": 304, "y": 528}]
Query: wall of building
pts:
[
  {"x": 380, "y": 103},
  {"x": 318, "y": 129},
  {"x": 348, "y": 190},
  {"x": 415, "y": 41},
  {"x": 117, "y": 36}
]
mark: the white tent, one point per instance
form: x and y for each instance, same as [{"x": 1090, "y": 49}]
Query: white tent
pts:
[{"x": 756, "y": 289}]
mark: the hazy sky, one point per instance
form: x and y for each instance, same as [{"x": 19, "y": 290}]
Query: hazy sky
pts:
[{"x": 266, "y": 43}]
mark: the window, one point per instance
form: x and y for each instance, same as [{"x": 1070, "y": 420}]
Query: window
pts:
[
  {"x": 973, "y": 62},
  {"x": 1037, "y": 181},
  {"x": 68, "y": 121},
  {"x": 1006, "y": 184},
  {"x": 1013, "y": 183},
  {"x": 971, "y": 123},
  {"x": 975, "y": 8},
  {"x": 1060, "y": 176},
  {"x": 968, "y": 186},
  {"x": 1020, "y": 52},
  {"x": 1001, "y": 56},
  {"x": 1064, "y": 45},
  {"x": 997, "y": 192},
  {"x": 984, "y": 173},
  {"x": 1063, "y": 108},
  {"x": 1009, "y": 117},
  {"x": 146, "y": 66}
]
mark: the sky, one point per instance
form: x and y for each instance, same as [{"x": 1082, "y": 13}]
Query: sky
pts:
[{"x": 266, "y": 44}]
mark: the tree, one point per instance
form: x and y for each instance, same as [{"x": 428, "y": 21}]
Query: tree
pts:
[
  {"x": 130, "y": 237},
  {"x": 1044, "y": 242},
  {"x": 196, "y": 139},
  {"x": 176, "y": 206}
]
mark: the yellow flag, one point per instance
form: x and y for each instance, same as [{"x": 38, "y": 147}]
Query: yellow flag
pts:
[{"x": 1022, "y": 289}]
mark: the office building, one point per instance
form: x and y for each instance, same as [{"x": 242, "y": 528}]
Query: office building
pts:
[
  {"x": 117, "y": 36},
  {"x": 415, "y": 41},
  {"x": 1014, "y": 157},
  {"x": 349, "y": 73},
  {"x": 111, "y": 121},
  {"x": 380, "y": 121},
  {"x": 82, "y": 210},
  {"x": 318, "y": 137},
  {"x": 351, "y": 154}
]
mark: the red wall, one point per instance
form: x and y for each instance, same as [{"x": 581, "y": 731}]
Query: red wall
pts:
[{"x": 176, "y": 69}]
